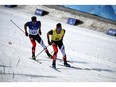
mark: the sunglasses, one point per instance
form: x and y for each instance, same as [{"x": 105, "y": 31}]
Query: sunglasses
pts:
[{"x": 59, "y": 28}]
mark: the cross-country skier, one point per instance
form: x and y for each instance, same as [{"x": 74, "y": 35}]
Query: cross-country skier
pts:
[
  {"x": 57, "y": 35},
  {"x": 34, "y": 35}
]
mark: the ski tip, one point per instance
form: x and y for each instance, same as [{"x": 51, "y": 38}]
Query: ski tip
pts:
[
  {"x": 55, "y": 69},
  {"x": 36, "y": 60}
]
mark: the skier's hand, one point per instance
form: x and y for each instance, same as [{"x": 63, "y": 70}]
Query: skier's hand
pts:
[
  {"x": 40, "y": 33},
  {"x": 49, "y": 43},
  {"x": 26, "y": 34}
]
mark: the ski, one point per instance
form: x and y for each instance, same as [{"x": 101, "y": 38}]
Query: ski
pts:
[
  {"x": 61, "y": 60},
  {"x": 73, "y": 67},
  {"x": 36, "y": 60},
  {"x": 55, "y": 69},
  {"x": 70, "y": 61}
]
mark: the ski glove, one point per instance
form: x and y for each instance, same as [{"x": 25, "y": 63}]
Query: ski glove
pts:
[
  {"x": 40, "y": 33},
  {"x": 26, "y": 34}
]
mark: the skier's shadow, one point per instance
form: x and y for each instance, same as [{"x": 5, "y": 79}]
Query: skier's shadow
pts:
[
  {"x": 88, "y": 69},
  {"x": 4, "y": 66},
  {"x": 98, "y": 69},
  {"x": 26, "y": 75},
  {"x": 29, "y": 75},
  {"x": 72, "y": 61},
  {"x": 35, "y": 76},
  {"x": 79, "y": 68},
  {"x": 95, "y": 69},
  {"x": 44, "y": 59}
]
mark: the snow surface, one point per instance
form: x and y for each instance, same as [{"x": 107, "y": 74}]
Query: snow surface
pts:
[{"x": 92, "y": 52}]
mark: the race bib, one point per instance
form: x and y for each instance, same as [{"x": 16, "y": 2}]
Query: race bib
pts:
[{"x": 33, "y": 32}]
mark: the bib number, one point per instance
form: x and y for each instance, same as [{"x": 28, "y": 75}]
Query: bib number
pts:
[
  {"x": 33, "y": 32},
  {"x": 57, "y": 39}
]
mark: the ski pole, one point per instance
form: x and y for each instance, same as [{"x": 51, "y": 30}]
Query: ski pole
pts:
[
  {"x": 41, "y": 51},
  {"x": 17, "y": 26}
]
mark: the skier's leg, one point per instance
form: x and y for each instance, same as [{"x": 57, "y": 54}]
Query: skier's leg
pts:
[
  {"x": 40, "y": 41},
  {"x": 54, "y": 55},
  {"x": 55, "y": 52},
  {"x": 45, "y": 48},
  {"x": 33, "y": 47},
  {"x": 62, "y": 48}
]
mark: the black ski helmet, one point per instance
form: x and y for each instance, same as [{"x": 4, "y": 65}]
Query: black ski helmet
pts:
[
  {"x": 58, "y": 25},
  {"x": 33, "y": 18}
]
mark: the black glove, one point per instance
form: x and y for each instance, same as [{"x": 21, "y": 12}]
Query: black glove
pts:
[
  {"x": 26, "y": 34},
  {"x": 49, "y": 43},
  {"x": 40, "y": 33}
]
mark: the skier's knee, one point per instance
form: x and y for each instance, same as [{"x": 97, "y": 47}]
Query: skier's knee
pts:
[
  {"x": 55, "y": 53},
  {"x": 33, "y": 48}
]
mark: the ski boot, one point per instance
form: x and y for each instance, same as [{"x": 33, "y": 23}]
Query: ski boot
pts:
[
  {"x": 54, "y": 65},
  {"x": 33, "y": 56},
  {"x": 66, "y": 64},
  {"x": 49, "y": 55}
]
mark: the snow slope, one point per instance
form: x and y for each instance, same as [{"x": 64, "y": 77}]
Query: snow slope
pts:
[{"x": 93, "y": 53}]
